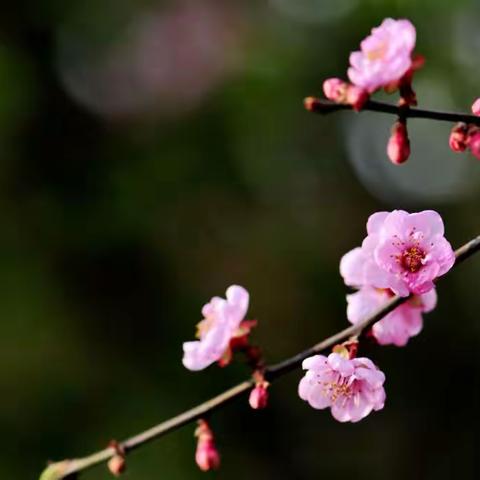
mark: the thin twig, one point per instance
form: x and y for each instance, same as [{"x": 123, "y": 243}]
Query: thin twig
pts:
[
  {"x": 324, "y": 106},
  {"x": 67, "y": 468}
]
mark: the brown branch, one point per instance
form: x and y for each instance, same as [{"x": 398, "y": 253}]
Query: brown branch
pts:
[
  {"x": 68, "y": 468},
  {"x": 324, "y": 106}
]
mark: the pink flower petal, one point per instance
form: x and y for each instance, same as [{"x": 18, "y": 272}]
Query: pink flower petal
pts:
[
  {"x": 352, "y": 267},
  {"x": 375, "y": 222}
]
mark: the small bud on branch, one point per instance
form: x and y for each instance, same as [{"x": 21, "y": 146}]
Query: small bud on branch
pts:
[
  {"x": 398, "y": 146},
  {"x": 206, "y": 455}
]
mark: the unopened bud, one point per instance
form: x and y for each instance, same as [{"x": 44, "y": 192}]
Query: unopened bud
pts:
[
  {"x": 476, "y": 107},
  {"x": 459, "y": 137},
  {"x": 345, "y": 93},
  {"x": 357, "y": 97},
  {"x": 398, "y": 147},
  {"x": 259, "y": 396},
  {"x": 474, "y": 144},
  {"x": 335, "y": 90},
  {"x": 310, "y": 103},
  {"x": 117, "y": 465},
  {"x": 206, "y": 455}
]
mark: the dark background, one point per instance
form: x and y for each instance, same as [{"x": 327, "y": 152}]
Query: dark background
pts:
[{"x": 153, "y": 153}]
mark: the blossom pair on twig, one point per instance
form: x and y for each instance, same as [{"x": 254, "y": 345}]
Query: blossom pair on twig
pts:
[{"x": 402, "y": 255}]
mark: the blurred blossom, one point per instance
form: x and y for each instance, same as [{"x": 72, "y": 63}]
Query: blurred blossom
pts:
[
  {"x": 434, "y": 172},
  {"x": 164, "y": 60},
  {"x": 314, "y": 11}
]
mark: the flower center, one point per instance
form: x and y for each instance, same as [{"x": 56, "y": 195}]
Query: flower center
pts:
[
  {"x": 377, "y": 53},
  {"x": 334, "y": 390},
  {"x": 204, "y": 326},
  {"x": 412, "y": 259}
]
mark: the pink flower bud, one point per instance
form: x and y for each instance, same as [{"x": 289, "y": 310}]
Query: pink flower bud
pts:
[
  {"x": 117, "y": 465},
  {"x": 207, "y": 456},
  {"x": 476, "y": 107},
  {"x": 335, "y": 90},
  {"x": 474, "y": 144},
  {"x": 398, "y": 147},
  {"x": 459, "y": 137},
  {"x": 259, "y": 396},
  {"x": 356, "y": 97}
]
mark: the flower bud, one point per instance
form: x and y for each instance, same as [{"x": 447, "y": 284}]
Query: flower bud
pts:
[
  {"x": 206, "y": 455},
  {"x": 476, "y": 107},
  {"x": 474, "y": 144},
  {"x": 335, "y": 90},
  {"x": 310, "y": 103},
  {"x": 356, "y": 97},
  {"x": 259, "y": 396},
  {"x": 459, "y": 137},
  {"x": 117, "y": 465},
  {"x": 398, "y": 147},
  {"x": 345, "y": 93}
]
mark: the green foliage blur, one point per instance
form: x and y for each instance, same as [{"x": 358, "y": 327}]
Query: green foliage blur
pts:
[{"x": 153, "y": 153}]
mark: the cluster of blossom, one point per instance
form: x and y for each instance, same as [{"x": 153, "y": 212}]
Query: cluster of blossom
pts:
[
  {"x": 385, "y": 61},
  {"x": 467, "y": 136},
  {"x": 402, "y": 254}
]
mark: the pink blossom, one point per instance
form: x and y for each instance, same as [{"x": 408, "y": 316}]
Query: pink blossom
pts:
[
  {"x": 352, "y": 388},
  {"x": 222, "y": 318},
  {"x": 385, "y": 56},
  {"x": 403, "y": 252},
  {"x": 396, "y": 327},
  {"x": 398, "y": 147},
  {"x": 476, "y": 107}
]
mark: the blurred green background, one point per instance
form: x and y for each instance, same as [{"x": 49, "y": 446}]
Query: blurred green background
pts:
[{"x": 151, "y": 154}]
